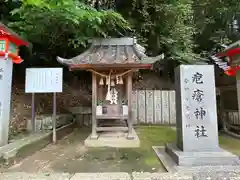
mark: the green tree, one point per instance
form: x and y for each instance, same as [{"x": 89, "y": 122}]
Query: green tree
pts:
[
  {"x": 214, "y": 21},
  {"x": 60, "y": 27},
  {"x": 163, "y": 27}
]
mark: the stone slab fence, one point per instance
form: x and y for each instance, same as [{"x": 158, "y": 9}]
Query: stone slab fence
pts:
[
  {"x": 150, "y": 107},
  {"x": 232, "y": 116},
  {"x": 228, "y": 104}
]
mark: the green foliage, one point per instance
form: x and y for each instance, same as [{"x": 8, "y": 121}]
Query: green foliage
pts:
[
  {"x": 184, "y": 30},
  {"x": 163, "y": 26},
  {"x": 214, "y": 23},
  {"x": 56, "y": 26}
]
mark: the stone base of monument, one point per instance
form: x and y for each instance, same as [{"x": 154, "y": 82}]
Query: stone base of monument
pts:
[
  {"x": 211, "y": 158},
  {"x": 171, "y": 166}
]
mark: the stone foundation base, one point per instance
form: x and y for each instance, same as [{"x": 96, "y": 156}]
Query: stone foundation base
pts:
[
  {"x": 44, "y": 122},
  {"x": 221, "y": 157},
  {"x": 113, "y": 139}
]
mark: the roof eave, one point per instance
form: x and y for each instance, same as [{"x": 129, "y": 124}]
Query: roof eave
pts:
[
  {"x": 237, "y": 43},
  {"x": 113, "y": 66},
  {"x": 152, "y": 60},
  {"x": 63, "y": 61}
]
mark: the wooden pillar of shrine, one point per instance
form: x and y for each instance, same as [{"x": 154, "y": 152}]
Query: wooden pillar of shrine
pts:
[
  {"x": 129, "y": 98},
  {"x": 94, "y": 105}
]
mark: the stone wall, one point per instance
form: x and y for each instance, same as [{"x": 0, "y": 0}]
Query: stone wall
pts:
[{"x": 21, "y": 104}]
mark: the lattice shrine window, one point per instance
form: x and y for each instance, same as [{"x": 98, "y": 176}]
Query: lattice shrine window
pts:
[{"x": 2, "y": 45}]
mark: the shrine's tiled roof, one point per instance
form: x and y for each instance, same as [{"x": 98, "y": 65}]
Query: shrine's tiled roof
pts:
[{"x": 113, "y": 51}]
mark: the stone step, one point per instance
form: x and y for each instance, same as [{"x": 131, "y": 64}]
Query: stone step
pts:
[
  {"x": 160, "y": 176},
  {"x": 101, "y": 176},
  {"x": 112, "y": 123},
  {"x": 117, "y": 176},
  {"x": 35, "y": 176}
]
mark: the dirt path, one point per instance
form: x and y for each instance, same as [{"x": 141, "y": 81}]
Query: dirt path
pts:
[
  {"x": 46, "y": 159},
  {"x": 71, "y": 156}
]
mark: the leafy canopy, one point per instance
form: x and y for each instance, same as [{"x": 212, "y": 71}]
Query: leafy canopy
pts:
[
  {"x": 215, "y": 21},
  {"x": 55, "y": 26},
  {"x": 163, "y": 26},
  {"x": 182, "y": 29}
]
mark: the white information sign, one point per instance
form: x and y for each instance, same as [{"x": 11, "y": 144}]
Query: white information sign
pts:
[{"x": 44, "y": 80}]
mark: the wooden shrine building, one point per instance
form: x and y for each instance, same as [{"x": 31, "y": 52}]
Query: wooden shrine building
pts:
[{"x": 112, "y": 63}]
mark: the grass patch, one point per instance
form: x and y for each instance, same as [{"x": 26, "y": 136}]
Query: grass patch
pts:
[
  {"x": 127, "y": 159},
  {"x": 229, "y": 143},
  {"x": 133, "y": 159}
]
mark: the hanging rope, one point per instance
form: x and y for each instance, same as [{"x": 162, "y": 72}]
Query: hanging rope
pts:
[
  {"x": 104, "y": 75},
  {"x": 108, "y": 81}
]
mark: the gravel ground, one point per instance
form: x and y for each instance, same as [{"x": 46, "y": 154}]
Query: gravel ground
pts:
[
  {"x": 216, "y": 176},
  {"x": 210, "y": 169},
  {"x": 212, "y": 172}
]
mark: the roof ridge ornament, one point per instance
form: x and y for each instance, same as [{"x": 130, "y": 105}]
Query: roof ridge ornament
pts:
[{"x": 140, "y": 48}]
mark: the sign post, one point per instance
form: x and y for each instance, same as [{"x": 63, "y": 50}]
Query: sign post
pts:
[
  {"x": 54, "y": 118},
  {"x": 33, "y": 114},
  {"x": 44, "y": 80}
]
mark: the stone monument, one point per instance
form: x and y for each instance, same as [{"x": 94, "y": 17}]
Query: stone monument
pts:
[
  {"x": 197, "y": 130},
  {"x": 6, "y": 67},
  {"x": 9, "y": 42}
]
